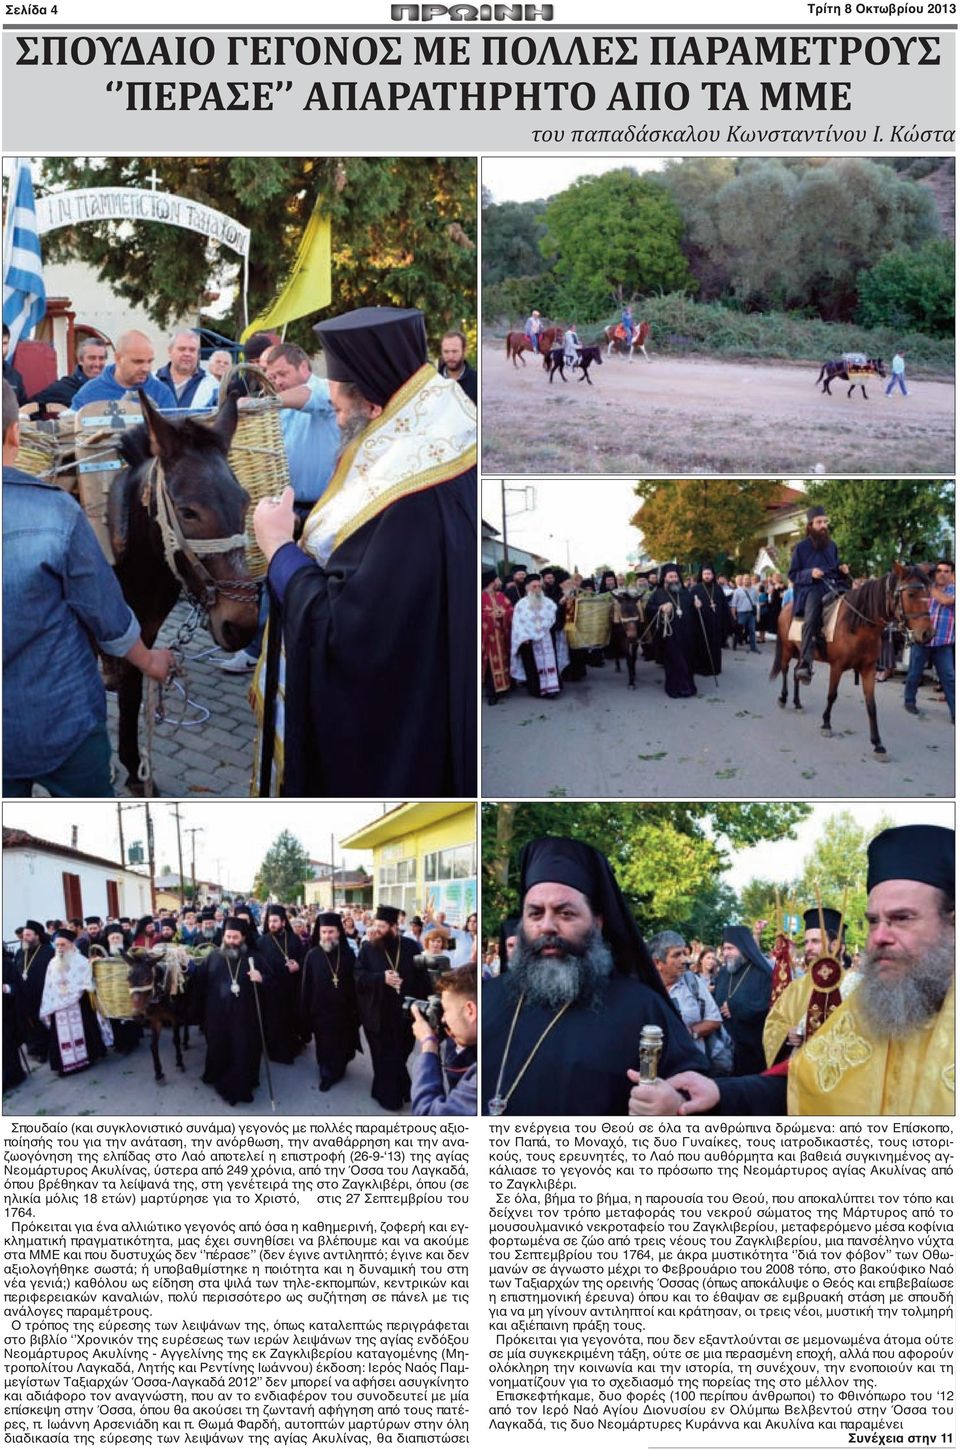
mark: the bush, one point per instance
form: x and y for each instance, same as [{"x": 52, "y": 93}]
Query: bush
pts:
[{"x": 911, "y": 290}]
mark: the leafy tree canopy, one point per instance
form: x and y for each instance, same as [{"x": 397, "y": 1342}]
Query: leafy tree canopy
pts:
[
  {"x": 665, "y": 854},
  {"x": 694, "y": 520},
  {"x": 284, "y": 869},
  {"x": 837, "y": 867},
  {"x": 877, "y": 521},
  {"x": 402, "y": 234},
  {"x": 911, "y": 290}
]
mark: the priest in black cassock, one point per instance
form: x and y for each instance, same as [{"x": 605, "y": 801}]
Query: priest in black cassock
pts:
[
  {"x": 14, "y": 1025},
  {"x": 384, "y": 575},
  {"x": 561, "y": 1029},
  {"x": 225, "y": 989},
  {"x": 742, "y": 993},
  {"x": 711, "y": 604},
  {"x": 329, "y": 1002},
  {"x": 385, "y": 974},
  {"x": 671, "y": 609},
  {"x": 30, "y": 962},
  {"x": 283, "y": 952}
]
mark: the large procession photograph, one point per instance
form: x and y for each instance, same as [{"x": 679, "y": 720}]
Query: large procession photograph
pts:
[
  {"x": 744, "y": 958},
  {"x": 239, "y": 957},
  {"x": 767, "y": 638},
  {"x": 239, "y": 446},
  {"x": 718, "y": 315}
]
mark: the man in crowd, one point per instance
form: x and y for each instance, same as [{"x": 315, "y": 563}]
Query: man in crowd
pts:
[
  {"x": 889, "y": 1047},
  {"x": 537, "y": 655},
  {"x": 515, "y": 589},
  {"x": 61, "y": 599},
  {"x": 807, "y": 1002},
  {"x": 385, "y": 974},
  {"x": 328, "y": 1007},
  {"x": 190, "y": 384},
  {"x": 112, "y": 988},
  {"x": 710, "y": 624},
  {"x": 744, "y": 614},
  {"x": 385, "y": 573},
  {"x": 30, "y": 964},
  {"x": 688, "y": 992},
  {"x": 230, "y": 1011},
  {"x": 76, "y": 1041},
  {"x": 283, "y": 953},
  {"x": 532, "y": 328},
  {"x": 672, "y": 609},
  {"x": 939, "y": 652},
  {"x": 431, "y": 1098},
  {"x": 743, "y": 995},
  {"x": 130, "y": 369},
  {"x": 453, "y": 363},
  {"x": 91, "y": 361},
  {"x": 496, "y": 616},
  {"x": 308, "y": 420},
  {"x": 817, "y": 576},
  {"x": 562, "y": 1026}
]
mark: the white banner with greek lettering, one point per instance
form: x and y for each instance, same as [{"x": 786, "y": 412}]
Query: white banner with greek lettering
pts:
[{"x": 94, "y": 204}]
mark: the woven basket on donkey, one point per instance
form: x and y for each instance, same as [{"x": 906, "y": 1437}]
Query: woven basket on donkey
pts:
[{"x": 258, "y": 457}]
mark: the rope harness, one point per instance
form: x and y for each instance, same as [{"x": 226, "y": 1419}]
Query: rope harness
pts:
[{"x": 894, "y": 610}]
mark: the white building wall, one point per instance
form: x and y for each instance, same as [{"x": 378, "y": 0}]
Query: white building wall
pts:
[
  {"x": 95, "y": 303},
  {"x": 33, "y": 887}
]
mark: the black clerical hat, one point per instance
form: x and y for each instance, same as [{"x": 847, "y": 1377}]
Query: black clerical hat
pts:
[
  {"x": 831, "y": 920},
  {"x": 274, "y": 909},
  {"x": 329, "y": 918},
  {"x": 743, "y": 939},
  {"x": 35, "y": 927},
  {"x": 208, "y": 914},
  {"x": 487, "y": 576},
  {"x": 532, "y": 579},
  {"x": 390, "y": 914},
  {"x": 913, "y": 853},
  {"x": 817, "y": 511},
  {"x": 665, "y": 569},
  {"x": 236, "y": 923},
  {"x": 113, "y": 928},
  {"x": 91, "y": 920},
  {"x": 377, "y": 348},
  {"x": 574, "y": 863},
  {"x": 65, "y": 932}
]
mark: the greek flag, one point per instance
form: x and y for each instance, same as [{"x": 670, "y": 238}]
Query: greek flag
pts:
[{"x": 24, "y": 297}]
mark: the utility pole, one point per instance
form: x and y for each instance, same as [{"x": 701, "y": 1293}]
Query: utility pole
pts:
[
  {"x": 150, "y": 858},
  {"x": 123, "y": 854},
  {"x": 503, "y": 519},
  {"x": 176, "y": 813},
  {"x": 193, "y": 832},
  {"x": 333, "y": 874}
]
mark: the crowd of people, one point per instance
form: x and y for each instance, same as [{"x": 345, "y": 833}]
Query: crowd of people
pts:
[
  {"x": 544, "y": 630},
  {"x": 381, "y": 456},
  {"x": 261, "y": 982},
  {"x": 581, "y": 1015}
]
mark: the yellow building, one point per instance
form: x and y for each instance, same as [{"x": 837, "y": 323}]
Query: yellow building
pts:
[{"x": 423, "y": 851}]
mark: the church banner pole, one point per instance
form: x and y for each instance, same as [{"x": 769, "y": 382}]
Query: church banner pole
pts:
[{"x": 263, "y": 1040}]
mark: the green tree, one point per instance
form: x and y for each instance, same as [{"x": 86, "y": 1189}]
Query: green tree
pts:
[
  {"x": 877, "y": 521},
  {"x": 283, "y": 870},
  {"x": 712, "y": 910},
  {"x": 613, "y": 238},
  {"x": 699, "y": 519},
  {"x": 512, "y": 233},
  {"x": 837, "y": 867},
  {"x": 402, "y": 234},
  {"x": 911, "y": 290},
  {"x": 665, "y": 854}
]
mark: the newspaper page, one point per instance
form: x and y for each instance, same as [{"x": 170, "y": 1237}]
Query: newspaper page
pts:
[{"x": 700, "y": 268}]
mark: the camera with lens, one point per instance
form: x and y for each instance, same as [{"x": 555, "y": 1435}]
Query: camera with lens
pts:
[{"x": 431, "y": 1007}]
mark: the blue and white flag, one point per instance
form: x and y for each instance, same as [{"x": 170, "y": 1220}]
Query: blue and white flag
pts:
[{"x": 24, "y": 296}]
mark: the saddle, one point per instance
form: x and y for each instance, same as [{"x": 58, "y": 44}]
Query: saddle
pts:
[{"x": 828, "y": 624}]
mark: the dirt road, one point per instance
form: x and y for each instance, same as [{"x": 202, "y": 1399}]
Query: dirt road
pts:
[
  {"x": 600, "y": 739},
  {"x": 688, "y": 416}
]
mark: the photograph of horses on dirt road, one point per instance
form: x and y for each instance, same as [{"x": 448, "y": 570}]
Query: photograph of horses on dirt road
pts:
[{"x": 755, "y": 315}]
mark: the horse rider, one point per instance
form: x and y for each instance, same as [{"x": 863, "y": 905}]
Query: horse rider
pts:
[
  {"x": 532, "y": 328},
  {"x": 816, "y": 575},
  {"x": 626, "y": 322},
  {"x": 571, "y": 346}
]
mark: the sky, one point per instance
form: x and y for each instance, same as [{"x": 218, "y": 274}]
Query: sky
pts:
[
  {"x": 517, "y": 178},
  {"x": 576, "y": 523},
  {"x": 236, "y": 834},
  {"x": 779, "y": 860}
]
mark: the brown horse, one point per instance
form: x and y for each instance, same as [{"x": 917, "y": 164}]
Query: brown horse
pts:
[
  {"x": 901, "y": 597},
  {"x": 617, "y": 339},
  {"x": 518, "y": 343}
]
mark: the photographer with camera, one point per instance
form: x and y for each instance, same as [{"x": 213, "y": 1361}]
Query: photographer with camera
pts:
[{"x": 458, "y": 1005}]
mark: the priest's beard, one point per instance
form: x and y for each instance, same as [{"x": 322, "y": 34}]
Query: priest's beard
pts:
[
  {"x": 232, "y": 954},
  {"x": 895, "y": 1009},
  {"x": 819, "y": 538},
  {"x": 356, "y": 424},
  {"x": 580, "y": 975}
]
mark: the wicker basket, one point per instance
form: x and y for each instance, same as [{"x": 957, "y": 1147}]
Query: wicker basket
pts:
[
  {"x": 258, "y": 456},
  {"x": 591, "y": 622},
  {"x": 45, "y": 448}
]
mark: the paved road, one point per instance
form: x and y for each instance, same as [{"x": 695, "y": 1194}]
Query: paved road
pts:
[
  {"x": 600, "y": 739},
  {"x": 211, "y": 759},
  {"x": 126, "y": 1085}
]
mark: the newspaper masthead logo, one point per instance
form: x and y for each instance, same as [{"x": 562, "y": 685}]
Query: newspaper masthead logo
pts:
[{"x": 514, "y": 13}]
